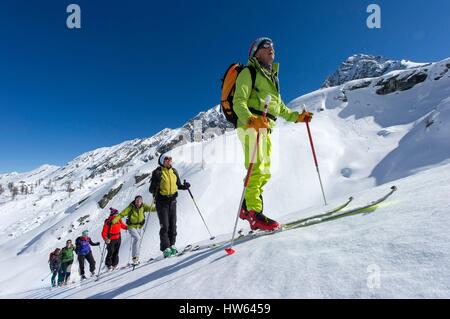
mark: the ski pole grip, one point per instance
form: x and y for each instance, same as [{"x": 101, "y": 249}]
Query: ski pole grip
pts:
[{"x": 189, "y": 190}]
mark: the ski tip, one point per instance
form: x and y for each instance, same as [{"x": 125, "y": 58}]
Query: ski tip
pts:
[
  {"x": 230, "y": 251},
  {"x": 350, "y": 198},
  {"x": 394, "y": 188},
  {"x": 212, "y": 238}
]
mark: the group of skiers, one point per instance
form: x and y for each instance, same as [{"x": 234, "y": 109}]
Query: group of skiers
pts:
[
  {"x": 254, "y": 117},
  {"x": 164, "y": 186},
  {"x": 165, "y": 183},
  {"x": 60, "y": 260}
]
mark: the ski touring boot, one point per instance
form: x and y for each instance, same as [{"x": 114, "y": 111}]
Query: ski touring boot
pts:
[
  {"x": 135, "y": 261},
  {"x": 167, "y": 252},
  {"x": 244, "y": 214},
  {"x": 261, "y": 222}
]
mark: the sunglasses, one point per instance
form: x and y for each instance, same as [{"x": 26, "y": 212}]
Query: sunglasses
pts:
[
  {"x": 266, "y": 45},
  {"x": 168, "y": 159}
]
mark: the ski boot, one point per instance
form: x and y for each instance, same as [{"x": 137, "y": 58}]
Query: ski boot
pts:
[
  {"x": 244, "y": 215},
  {"x": 135, "y": 261},
  {"x": 83, "y": 277},
  {"x": 173, "y": 251},
  {"x": 262, "y": 222},
  {"x": 167, "y": 253}
]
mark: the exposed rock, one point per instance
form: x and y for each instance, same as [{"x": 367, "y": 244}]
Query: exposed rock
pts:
[
  {"x": 358, "y": 85},
  {"x": 107, "y": 197},
  {"x": 361, "y": 66},
  {"x": 141, "y": 177},
  {"x": 441, "y": 75},
  {"x": 395, "y": 83},
  {"x": 82, "y": 220}
]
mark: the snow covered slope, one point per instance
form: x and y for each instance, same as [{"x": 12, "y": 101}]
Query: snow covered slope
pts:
[
  {"x": 367, "y": 132},
  {"x": 400, "y": 250}
]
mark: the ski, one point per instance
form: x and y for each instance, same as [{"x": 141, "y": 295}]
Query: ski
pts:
[
  {"x": 332, "y": 211},
  {"x": 327, "y": 216},
  {"x": 330, "y": 215},
  {"x": 185, "y": 250},
  {"x": 252, "y": 234},
  {"x": 337, "y": 214}
]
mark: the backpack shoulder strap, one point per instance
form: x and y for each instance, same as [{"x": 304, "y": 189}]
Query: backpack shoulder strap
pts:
[
  {"x": 130, "y": 212},
  {"x": 252, "y": 70}
]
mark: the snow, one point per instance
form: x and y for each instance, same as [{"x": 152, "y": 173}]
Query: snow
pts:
[
  {"x": 406, "y": 239},
  {"x": 362, "y": 143}
]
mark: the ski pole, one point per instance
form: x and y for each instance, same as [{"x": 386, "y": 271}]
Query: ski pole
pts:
[
  {"x": 190, "y": 193},
  {"x": 101, "y": 259},
  {"x": 46, "y": 276},
  {"x": 315, "y": 159},
  {"x": 230, "y": 249},
  {"x": 143, "y": 233}
]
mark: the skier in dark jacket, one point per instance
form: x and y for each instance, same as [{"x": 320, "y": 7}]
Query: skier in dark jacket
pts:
[
  {"x": 164, "y": 186},
  {"x": 111, "y": 236},
  {"x": 84, "y": 252},
  {"x": 54, "y": 262},
  {"x": 66, "y": 263}
]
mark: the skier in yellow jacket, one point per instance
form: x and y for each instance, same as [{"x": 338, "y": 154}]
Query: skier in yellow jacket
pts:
[{"x": 164, "y": 186}]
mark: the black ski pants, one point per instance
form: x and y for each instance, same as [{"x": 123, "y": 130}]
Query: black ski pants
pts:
[
  {"x": 112, "y": 257},
  {"x": 90, "y": 258},
  {"x": 167, "y": 214}
]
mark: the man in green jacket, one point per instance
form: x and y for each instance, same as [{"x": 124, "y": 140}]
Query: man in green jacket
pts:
[
  {"x": 135, "y": 222},
  {"x": 66, "y": 263},
  {"x": 248, "y": 104}
]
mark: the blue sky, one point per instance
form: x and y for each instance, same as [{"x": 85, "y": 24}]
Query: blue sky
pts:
[{"x": 136, "y": 67}]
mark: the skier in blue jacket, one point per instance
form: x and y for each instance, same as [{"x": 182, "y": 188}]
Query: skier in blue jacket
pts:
[{"x": 83, "y": 249}]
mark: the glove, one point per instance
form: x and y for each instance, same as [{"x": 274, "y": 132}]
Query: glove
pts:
[
  {"x": 187, "y": 185},
  {"x": 305, "y": 117},
  {"x": 107, "y": 241},
  {"x": 153, "y": 207},
  {"x": 258, "y": 122}
]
